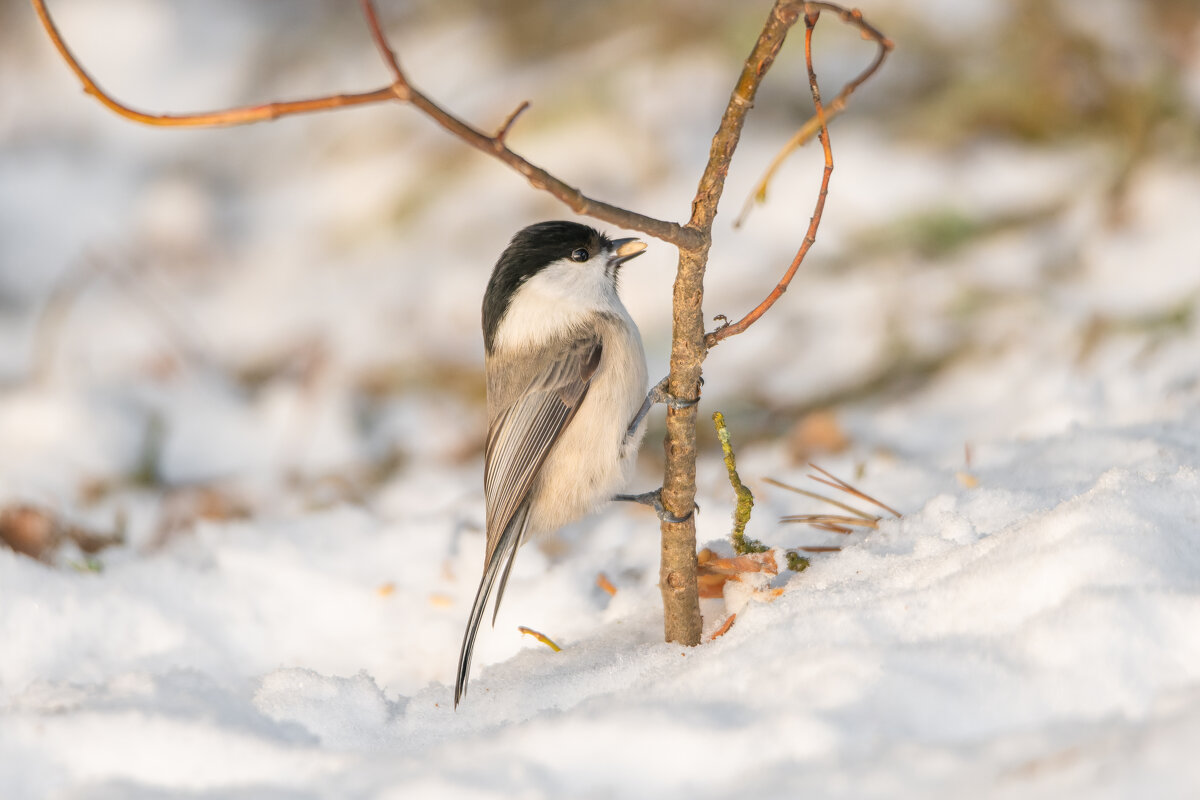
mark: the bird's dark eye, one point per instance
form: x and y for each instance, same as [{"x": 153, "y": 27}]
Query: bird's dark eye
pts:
[{"x": 579, "y": 254}]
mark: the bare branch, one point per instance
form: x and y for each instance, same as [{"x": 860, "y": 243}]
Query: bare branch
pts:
[
  {"x": 381, "y": 42},
  {"x": 400, "y": 90},
  {"x": 812, "y": 125},
  {"x": 241, "y": 115},
  {"x": 741, "y": 100},
  {"x": 677, "y": 572},
  {"x": 506, "y": 126},
  {"x": 725, "y": 331},
  {"x": 539, "y": 178}
]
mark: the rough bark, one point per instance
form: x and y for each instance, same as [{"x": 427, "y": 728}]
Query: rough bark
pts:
[{"x": 677, "y": 573}]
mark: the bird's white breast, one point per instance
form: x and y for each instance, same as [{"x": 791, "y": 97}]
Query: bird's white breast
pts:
[{"x": 592, "y": 460}]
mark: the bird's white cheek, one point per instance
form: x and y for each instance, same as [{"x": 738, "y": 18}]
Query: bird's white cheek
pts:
[
  {"x": 561, "y": 297},
  {"x": 533, "y": 317}
]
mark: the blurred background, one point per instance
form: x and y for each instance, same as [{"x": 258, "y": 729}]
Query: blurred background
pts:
[{"x": 271, "y": 319}]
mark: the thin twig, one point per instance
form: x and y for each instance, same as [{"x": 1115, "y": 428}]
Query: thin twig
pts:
[
  {"x": 399, "y": 90},
  {"x": 732, "y": 329},
  {"x": 813, "y": 124},
  {"x": 502, "y": 133},
  {"x": 861, "y": 514},
  {"x": 838, "y": 483},
  {"x": 381, "y": 42},
  {"x": 240, "y": 115},
  {"x": 689, "y": 342}
]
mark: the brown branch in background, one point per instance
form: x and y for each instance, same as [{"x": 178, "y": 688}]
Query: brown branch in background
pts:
[
  {"x": 813, "y": 124},
  {"x": 728, "y": 329},
  {"x": 400, "y": 90}
]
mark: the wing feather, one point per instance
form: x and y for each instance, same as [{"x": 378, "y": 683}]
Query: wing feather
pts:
[
  {"x": 523, "y": 434},
  {"x": 518, "y": 441}
]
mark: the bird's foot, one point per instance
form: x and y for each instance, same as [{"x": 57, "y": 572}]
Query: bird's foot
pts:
[
  {"x": 659, "y": 394},
  {"x": 654, "y": 500}
]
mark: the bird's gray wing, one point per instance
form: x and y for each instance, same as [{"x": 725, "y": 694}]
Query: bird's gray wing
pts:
[{"x": 518, "y": 442}]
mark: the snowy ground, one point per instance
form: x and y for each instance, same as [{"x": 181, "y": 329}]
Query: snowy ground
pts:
[{"x": 256, "y": 353}]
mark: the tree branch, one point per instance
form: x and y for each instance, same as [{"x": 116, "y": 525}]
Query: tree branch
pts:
[
  {"x": 506, "y": 126},
  {"x": 241, "y": 115},
  {"x": 732, "y": 329},
  {"x": 677, "y": 573},
  {"x": 812, "y": 125},
  {"x": 400, "y": 90},
  {"x": 381, "y": 42}
]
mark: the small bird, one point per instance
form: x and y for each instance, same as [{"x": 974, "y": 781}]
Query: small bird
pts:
[{"x": 566, "y": 378}]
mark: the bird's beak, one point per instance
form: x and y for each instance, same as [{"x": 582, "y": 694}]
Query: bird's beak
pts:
[{"x": 625, "y": 249}]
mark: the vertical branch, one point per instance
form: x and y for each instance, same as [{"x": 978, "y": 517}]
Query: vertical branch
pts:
[{"x": 677, "y": 573}]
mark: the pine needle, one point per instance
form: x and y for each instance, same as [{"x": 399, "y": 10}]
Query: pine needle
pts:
[
  {"x": 842, "y": 524},
  {"x": 541, "y": 637}
]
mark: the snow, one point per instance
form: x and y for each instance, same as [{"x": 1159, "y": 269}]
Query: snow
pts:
[{"x": 256, "y": 352}]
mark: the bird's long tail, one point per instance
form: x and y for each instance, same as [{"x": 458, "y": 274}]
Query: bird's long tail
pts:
[{"x": 504, "y": 553}]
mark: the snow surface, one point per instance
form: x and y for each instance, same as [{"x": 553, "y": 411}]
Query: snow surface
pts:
[{"x": 287, "y": 317}]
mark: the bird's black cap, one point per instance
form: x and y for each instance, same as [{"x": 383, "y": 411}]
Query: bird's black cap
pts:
[{"x": 531, "y": 250}]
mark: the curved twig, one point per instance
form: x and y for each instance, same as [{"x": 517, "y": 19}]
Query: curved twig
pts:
[
  {"x": 381, "y": 42},
  {"x": 835, "y": 107},
  {"x": 713, "y": 338},
  {"x": 399, "y": 90},
  {"x": 241, "y": 115}
]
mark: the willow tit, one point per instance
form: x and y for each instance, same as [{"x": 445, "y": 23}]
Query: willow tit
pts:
[{"x": 566, "y": 378}]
